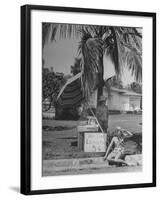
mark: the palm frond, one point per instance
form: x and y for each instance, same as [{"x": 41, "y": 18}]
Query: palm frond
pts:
[
  {"x": 45, "y": 32},
  {"x": 52, "y": 30},
  {"x": 134, "y": 63},
  {"x": 90, "y": 50},
  {"x": 114, "y": 49},
  {"x": 131, "y": 40},
  {"x": 124, "y": 46}
]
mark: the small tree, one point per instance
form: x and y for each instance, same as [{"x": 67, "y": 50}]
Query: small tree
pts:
[
  {"x": 50, "y": 87},
  {"x": 136, "y": 87}
]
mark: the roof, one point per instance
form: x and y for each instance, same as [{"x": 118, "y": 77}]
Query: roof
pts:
[
  {"x": 125, "y": 92},
  {"x": 72, "y": 79}
]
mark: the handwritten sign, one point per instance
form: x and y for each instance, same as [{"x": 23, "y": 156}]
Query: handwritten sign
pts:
[{"x": 95, "y": 142}]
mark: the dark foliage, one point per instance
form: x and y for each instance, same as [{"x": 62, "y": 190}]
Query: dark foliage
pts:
[{"x": 51, "y": 86}]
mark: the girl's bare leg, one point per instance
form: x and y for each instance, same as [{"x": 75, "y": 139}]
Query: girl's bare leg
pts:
[
  {"x": 110, "y": 157},
  {"x": 117, "y": 159}
]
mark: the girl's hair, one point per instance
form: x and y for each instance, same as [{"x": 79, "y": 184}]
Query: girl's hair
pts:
[
  {"x": 118, "y": 133},
  {"x": 121, "y": 134}
]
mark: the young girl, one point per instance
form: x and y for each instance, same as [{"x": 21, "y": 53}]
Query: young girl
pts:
[{"x": 118, "y": 142}]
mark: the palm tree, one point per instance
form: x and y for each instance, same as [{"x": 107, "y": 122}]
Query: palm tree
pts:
[{"x": 122, "y": 44}]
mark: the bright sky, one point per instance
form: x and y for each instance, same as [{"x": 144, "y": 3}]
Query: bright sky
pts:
[{"x": 60, "y": 55}]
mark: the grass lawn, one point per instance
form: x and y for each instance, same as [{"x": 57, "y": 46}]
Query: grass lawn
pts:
[{"x": 60, "y": 137}]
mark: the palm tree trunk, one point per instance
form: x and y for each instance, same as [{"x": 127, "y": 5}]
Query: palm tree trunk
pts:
[{"x": 100, "y": 79}]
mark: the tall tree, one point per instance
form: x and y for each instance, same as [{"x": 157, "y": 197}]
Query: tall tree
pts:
[{"x": 122, "y": 44}]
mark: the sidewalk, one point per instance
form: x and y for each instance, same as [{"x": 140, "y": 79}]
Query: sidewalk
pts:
[{"x": 82, "y": 166}]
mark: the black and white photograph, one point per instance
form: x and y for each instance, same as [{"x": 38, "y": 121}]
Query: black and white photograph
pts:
[
  {"x": 88, "y": 99},
  {"x": 92, "y": 106}
]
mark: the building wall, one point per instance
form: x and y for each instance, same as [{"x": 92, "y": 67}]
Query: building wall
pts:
[
  {"x": 135, "y": 102},
  {"x": 121, "y": 102},
  {"x": 117, "y": 101}
]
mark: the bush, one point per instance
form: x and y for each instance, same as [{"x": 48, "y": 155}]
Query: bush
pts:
[{"x": 67, "y": 114}]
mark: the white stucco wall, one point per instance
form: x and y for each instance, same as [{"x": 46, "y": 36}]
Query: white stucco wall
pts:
[
  {"x": 118, "y": 102},
  {"x": 122, "y": 102},
  {"x": 135, "y": 102}
]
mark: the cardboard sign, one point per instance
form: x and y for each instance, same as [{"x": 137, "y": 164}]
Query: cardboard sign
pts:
[{"x": 95, "y": 142}]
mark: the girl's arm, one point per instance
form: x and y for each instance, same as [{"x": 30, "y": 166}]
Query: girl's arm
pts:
[
  {"x": 127, "y": 133},
  {"x": 109, "y": 147}
]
